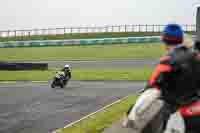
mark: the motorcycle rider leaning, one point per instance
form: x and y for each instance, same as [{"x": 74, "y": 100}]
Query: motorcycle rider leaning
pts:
[
  {"x": 175, "y": 78},
  {"x": 67, "y": 71}
]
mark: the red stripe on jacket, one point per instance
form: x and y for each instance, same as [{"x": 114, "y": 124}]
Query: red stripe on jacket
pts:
[{"x": 160, "y": 68}]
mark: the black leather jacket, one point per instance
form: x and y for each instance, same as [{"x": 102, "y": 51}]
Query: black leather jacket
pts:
[
  {"x": 67, "y": 72},
  {"x": 177, "y": 75}
]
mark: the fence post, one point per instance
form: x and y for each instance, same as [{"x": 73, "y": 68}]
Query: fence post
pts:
[
  {"x": 186, "y": 28},
  {"x": 15, "y": 33},
  {"x": 64, "y": 30},
  {"x": 8, "y": 33},
  {"x": 29, "y": 33},
  {"x": 133, "y": 28},
  {"x": 139, "y": 28},
  {"x": 153, "y": 28},
  {"x": 71, "y": 30},
  {"x": 146, "y": 27},
  {"x": 79, "y": 29},
  {"x": 112, "y": 28},
  {"x": 23, "y": 33},
  {"x": 20, "y": 35}
]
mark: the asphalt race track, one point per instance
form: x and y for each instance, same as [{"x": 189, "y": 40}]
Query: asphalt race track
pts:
[{"x": 36, "y": 108}]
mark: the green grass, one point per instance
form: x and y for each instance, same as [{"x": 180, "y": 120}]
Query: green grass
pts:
[
  {"x": 136, "y": 74},
  {"x": 97, "y": 52},
  {"x": 79, "y": 36},
  {"x": 98, "y": 122}
]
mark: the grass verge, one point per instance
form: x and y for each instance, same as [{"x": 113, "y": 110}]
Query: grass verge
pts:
[
  {"x": 136, "y": 74},
  {"x": 95, "y": 52},
  {"x": 104, "y": 119}
]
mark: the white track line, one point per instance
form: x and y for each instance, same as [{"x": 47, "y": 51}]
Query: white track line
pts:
[{"x": 85, "y": 117}]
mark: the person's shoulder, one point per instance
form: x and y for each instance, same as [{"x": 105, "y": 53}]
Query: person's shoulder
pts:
[
  {"x": 181, "y": 54},
  {"x": 175, "y": 55}
]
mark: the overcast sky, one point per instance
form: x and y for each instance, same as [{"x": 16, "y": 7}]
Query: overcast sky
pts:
[{"x": 27, "y": 14}]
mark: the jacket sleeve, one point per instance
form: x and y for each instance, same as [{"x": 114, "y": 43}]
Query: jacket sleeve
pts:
[{"x": 155, "y": 77}]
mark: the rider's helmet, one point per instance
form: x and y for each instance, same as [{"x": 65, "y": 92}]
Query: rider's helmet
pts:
[
  {"x": 172, "y": 34},
  {"x": 67, "y": 66}
]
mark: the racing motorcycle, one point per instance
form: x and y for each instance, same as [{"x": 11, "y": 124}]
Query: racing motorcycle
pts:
[{"x": 59, "y": 80}]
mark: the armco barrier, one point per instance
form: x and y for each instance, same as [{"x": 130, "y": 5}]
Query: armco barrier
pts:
[
  {"x": 104, "y": 41},
  {"x": 23, "y": 66}
]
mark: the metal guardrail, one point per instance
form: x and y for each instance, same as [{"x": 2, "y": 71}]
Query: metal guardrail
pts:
[
  {"x": 103, "y": 41},
  {"x": 100, "y": 29},
  {"x": 100, "y": 41}
]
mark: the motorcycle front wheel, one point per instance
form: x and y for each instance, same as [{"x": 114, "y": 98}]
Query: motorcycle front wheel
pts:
[{"x": 52, "y": 85}]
